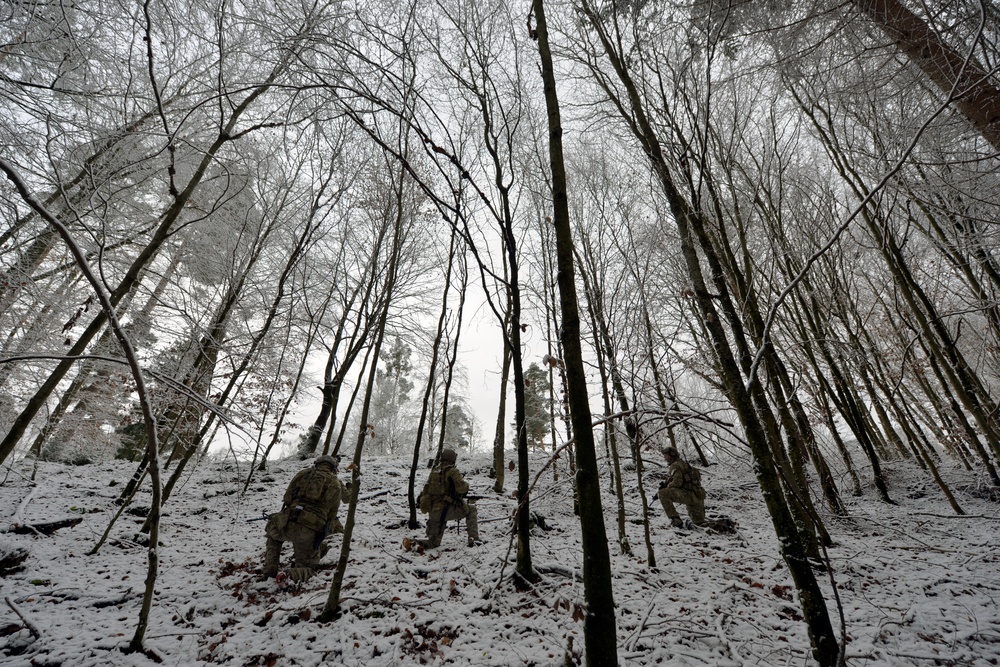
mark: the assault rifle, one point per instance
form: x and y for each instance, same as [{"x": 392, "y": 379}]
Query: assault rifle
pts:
[{"x": 264, "y": 516}]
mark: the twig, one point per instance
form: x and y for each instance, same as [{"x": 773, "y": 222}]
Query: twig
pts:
[
  {"x": 46, "y": 528},
  {"x": 387, "y": 603},
  {"x": 374, "y": 495},
  {"x": 115, "y": 601},
  {"x": 561, "y": 570},
  {"x": 28, "y": 624},
  {"x": 637, "y": 635},
  {"x": 720, "y": 632},
  {"x": 956, "y": 516}
]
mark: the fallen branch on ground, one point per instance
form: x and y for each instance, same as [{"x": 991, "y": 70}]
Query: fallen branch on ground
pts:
[{"x": 46, "y": 528}]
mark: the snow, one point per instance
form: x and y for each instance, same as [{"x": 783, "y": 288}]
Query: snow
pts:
[{"x": 918, "y": 585}]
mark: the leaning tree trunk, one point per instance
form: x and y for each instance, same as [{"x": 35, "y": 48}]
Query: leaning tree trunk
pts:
[
  {"x": 610, "y": 428},
  {"x": 108, "y": 308},
  {"x": 970, "y": 87},
  {"x": 331, "y": 609},
  {"x": 131, "y": 277}
]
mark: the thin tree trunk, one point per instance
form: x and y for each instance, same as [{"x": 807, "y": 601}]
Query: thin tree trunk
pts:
[
  {"x": 429, "y": 389},
  {"x": 817, "y": 617},
  {"x": 610, "y": 428},
  {"x": 499, "y": 464},
  {"x": 331, "y": 609},
  {"x": 600, "y": 636}
]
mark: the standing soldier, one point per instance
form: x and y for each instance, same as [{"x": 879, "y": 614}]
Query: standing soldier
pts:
[
  {"x": 443, "y": 499},
  {"x": 308, "y": 514},
  {"x": 682, "y": 485}
]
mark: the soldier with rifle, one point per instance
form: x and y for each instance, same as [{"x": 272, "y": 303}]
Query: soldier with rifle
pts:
[
  {"x": 308, "y": 514},
  {"x": 445, "y": 496},
  {"x": 683, "y": 487}
]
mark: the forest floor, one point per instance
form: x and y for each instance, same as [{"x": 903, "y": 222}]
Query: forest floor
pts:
[{"x": 917, "y": 584}]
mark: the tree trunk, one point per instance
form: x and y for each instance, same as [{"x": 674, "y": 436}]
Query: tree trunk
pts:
[
  {"x": 331, "y": 609},
  {"x": 600, "y": 636},
  {"x": 957, "y": 76},
  {"x": 824, "y": 642},
  {"x": 499, "y": 464}
]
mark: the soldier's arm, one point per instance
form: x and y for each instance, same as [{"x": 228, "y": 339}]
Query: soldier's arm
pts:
[
  {"x": 336, "y": 497},
  {"x": 461, "y": 486},
  {"x": 674, "y": 475},
  {"x": 288, "y": 497}
]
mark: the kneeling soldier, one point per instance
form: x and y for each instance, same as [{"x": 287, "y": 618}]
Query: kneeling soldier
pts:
[
  {"x": 308, "y": 514},
  {"x": 443, "y": 499},
  {"x": 682, "y": 485}
]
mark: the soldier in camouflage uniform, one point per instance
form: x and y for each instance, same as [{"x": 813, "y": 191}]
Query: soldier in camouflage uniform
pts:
[
  {"x": 682, "y": 485},
  {"x": 443, "y": 499},
  {"x": 308, "y": 514}
]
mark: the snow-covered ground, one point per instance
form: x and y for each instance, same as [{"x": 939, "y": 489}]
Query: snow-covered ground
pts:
[{"x": 917, "y": 584}]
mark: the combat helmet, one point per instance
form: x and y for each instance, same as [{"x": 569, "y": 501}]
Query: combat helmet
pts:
[
  {"x": 327, "y": 460},
  {"x": 449, "y": 456}
]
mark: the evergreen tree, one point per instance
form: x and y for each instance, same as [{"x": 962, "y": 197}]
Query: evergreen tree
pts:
[
  {"x": 392, "y": 392},
  {"x": 537, "y": 404}
]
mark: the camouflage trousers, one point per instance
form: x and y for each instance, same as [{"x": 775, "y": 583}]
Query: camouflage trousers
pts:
[
  {"x": 437, "y": 522},
  {"x": 695, "y": 505},
  {"x": 306, "y": 553}
]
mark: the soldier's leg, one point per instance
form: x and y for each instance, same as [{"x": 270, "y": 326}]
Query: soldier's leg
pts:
[
  {"x": 435, "y": 529},
  {"x": 304, "y": 545},
  {"x": 472, "y": 522},
  {"x": 272, "y": 557},
  {"x": 274, "y": 530},
  {"x": 696, "y": 510},
  {"x": 666, "y": 497},
  {"x": 694, "y": 505}
]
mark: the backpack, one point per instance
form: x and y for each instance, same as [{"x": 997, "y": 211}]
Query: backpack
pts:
[
  {"x": 311, "y": 487},
  {"x": 694, "y": 481},
  {"x": 311, "y": 496},
  {"x": 434, "y": 489}
]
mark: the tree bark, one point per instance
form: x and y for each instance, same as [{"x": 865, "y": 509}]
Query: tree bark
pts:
[{"x": 600, "y": 636}]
